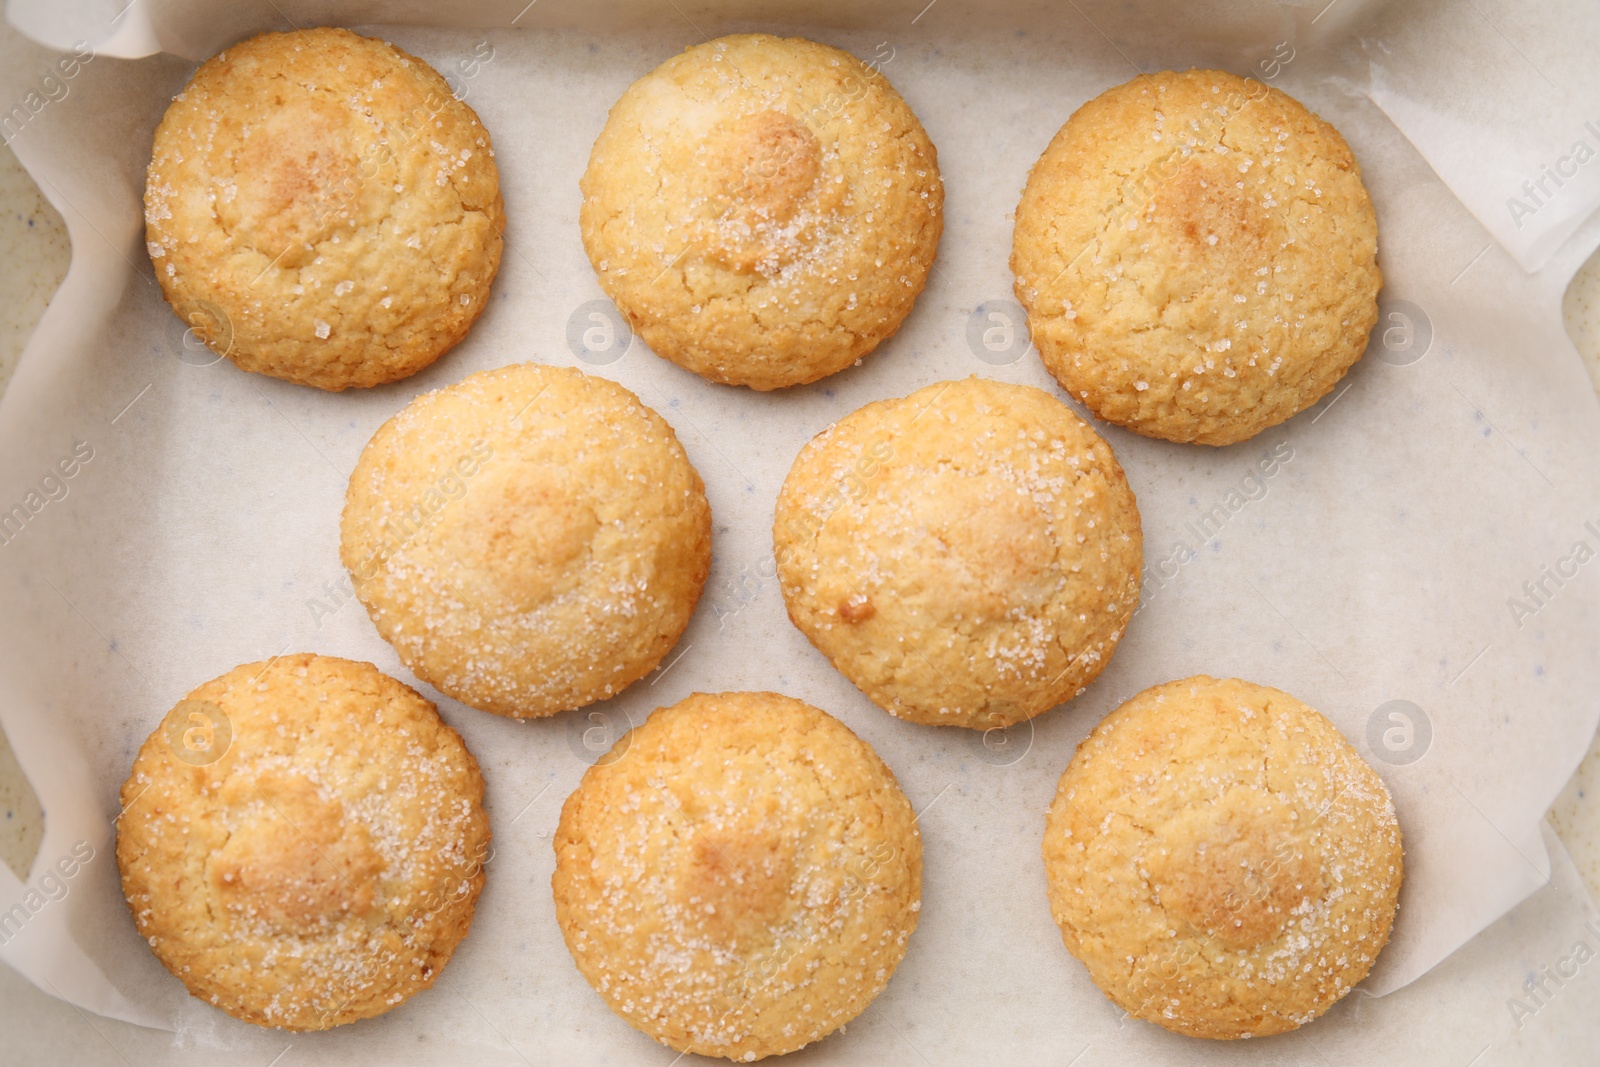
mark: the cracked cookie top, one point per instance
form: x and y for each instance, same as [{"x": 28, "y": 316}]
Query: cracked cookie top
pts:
[
  {"x": 968, "y": 555},
  {"x": 320, "y": 208},
  {"x": 763, "y": 210},
  {"x": 302, "y": 842},
  {"x": 1221, "y": 859},
  {"x": 739, "y": 876},
  {"x": 530, "y": 539},
  {"x": 1197, "y": 255}
]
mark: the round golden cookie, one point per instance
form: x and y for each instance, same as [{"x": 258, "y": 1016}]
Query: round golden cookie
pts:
[
  {"x": 320, "y": 208},
  {"x": 739, "y": 876},
  {"x": 763, "y": 210},
  {"x": 968, "y": 555},
  {"x": 530, "y": 539},
  {"x": 1221, "y": 859},
  {"x": 302, "y": 842},
  {"x": 1197, "y": 255}
]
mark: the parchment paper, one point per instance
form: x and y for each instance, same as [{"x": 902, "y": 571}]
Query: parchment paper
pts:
[{"x": 1411, "y": 568}]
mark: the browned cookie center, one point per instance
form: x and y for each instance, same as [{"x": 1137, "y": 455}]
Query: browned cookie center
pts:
[
  {"x": 980, "y": 540},
  {"x": 518, "y": 541},
  {"x": 1214, "y": 211},
  {"x": 293, "y": 861},
  {"x": 761, "y": 169},
  {"x": 738, "y": 882},
  {"x": 1238, "y": 876},
  {"x": 295, "y": 180}
]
